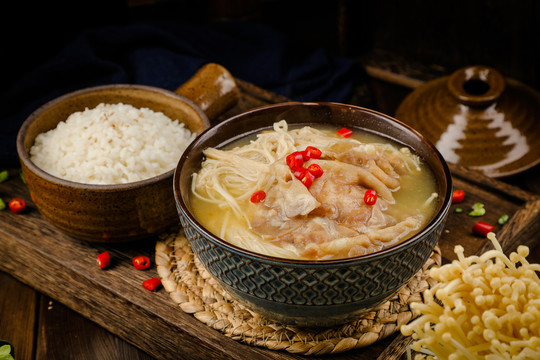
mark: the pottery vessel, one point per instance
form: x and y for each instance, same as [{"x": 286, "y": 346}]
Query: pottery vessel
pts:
[
  {"x": 124, "y": 212},
  {"x": 310, "y": 293},
  {"x": 479, "y": 119}
]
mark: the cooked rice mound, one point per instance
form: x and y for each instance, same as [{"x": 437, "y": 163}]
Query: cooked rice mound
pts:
[{"x": 111, "y": 144}]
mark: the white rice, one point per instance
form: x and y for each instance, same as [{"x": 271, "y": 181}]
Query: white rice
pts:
[{"x": 111, "y": 144}]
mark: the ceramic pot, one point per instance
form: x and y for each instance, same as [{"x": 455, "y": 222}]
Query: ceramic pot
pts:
[
  {"x": 124, "y": 212},
  {"x": 479, "y": 119},
  {"x": 301, "y": 292}
]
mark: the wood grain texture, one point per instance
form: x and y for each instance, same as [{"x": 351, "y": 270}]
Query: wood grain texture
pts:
[
  {"x": 396, "y": 349},
  {"x": 60, "y": 329},
  {"x": 17, "y": 316},
  {"x": 65, "y": 269}
]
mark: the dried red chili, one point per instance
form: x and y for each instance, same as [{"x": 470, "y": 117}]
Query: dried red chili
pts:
[
  {"x": 312, "y": 152},
  {"x": 344, "y": 132},
  {"x": 295, "y": 160},
  {"x": 482, "y": 228},
  {"x": 316, "y": 170},
  {"x": 151, "y": 284},
  {"x": 141, "y": 262},
  {"x": 370, "y": 197},
  {"x": 17, "y": 206},
  {"x": 457, "y": 196},
  {"x": 104, "y": 260},
  {"x": 258, "y": 196}
]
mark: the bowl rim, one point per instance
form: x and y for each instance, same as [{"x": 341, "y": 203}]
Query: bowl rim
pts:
[
  {"x": 24, "y": 157},
  {"x": 439, "y": 217}
]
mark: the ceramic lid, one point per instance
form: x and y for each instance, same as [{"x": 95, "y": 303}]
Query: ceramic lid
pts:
[{"x": 479, "y": 119}]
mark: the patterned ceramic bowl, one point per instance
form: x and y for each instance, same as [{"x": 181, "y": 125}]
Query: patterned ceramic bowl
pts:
[{"x": 310, "y": 293}]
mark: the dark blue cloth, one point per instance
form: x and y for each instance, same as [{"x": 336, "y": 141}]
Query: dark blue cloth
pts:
[{"x": 166, "y": 55}]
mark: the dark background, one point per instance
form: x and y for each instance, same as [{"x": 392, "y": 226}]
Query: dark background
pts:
[
  {"x": 415, "y": 39},
  {"x": 440, "y": 35}
]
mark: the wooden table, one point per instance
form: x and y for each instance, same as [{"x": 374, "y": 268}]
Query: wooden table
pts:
[{"x": 42, "y": 328}]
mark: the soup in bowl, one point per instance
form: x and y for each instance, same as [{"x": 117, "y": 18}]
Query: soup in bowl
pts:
[{"x": 312, "y": 213}]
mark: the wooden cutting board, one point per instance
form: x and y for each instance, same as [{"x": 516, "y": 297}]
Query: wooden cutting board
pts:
[{"x": 65, "y": 269}]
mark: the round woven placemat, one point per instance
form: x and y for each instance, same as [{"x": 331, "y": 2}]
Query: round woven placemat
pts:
[{"x": 197, "y": 293}]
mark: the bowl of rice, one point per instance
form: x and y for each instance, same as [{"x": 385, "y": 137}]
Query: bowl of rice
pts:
[{"x": 99, "y": 162}]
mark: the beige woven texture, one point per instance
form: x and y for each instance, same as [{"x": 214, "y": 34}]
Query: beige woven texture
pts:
[{"x": 197, "y": 293}]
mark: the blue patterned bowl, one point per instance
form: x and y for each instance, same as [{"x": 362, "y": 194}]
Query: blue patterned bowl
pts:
[{"x": 310, "y": 293}]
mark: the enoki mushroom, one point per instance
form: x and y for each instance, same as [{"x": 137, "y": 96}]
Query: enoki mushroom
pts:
[{"x": 483, "y": 307}]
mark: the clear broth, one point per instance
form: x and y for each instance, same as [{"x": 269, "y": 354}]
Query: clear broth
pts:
[{"x": 411, "y": 197}]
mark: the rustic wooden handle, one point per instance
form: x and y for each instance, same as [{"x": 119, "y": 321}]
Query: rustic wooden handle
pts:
[{"x": 213, "y": 89}]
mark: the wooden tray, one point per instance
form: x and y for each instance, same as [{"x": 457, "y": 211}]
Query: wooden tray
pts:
[{"x": 65, "y": 269}]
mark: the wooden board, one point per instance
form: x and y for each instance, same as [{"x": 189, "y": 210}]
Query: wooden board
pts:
[{"x": 65, "y": 269}]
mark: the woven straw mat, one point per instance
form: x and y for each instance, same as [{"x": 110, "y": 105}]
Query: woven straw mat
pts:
[{"x": 197, "y": 293}]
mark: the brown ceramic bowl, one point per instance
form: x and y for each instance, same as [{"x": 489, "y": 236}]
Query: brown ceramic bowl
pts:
[
  {"x": 114, "y": 213},
  {"x": 310, "y": 293}
]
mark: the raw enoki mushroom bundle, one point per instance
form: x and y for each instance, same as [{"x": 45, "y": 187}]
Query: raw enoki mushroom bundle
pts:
[{"x": 483, "y": 307}]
